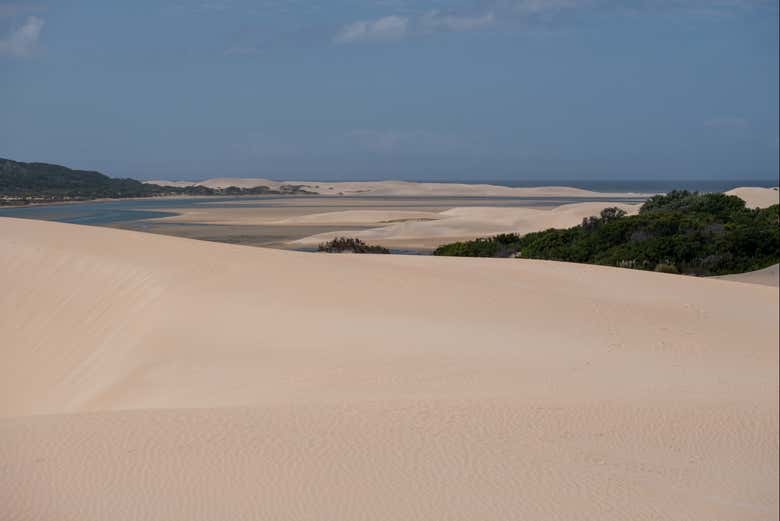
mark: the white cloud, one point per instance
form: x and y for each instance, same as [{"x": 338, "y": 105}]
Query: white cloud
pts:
[
  {"x": 22, "y": 41},
  {"x": 531, "y": 8},
  {"x": 395, "y": 28},
  {"x": 521, "y": 13},
  {"x": 435, "y": 21},
  {"x": 387, "y": 29}
]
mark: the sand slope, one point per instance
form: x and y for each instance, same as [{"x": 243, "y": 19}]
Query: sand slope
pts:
[
  {"x": 768, "y": 276},
  {"x": 471, "y": 222},
  {"x": 360, "y": 217},
  {"x": 400, "y": 188},
  {"x": 230, "y": 382},
  {"x": 756, "y": 197}
]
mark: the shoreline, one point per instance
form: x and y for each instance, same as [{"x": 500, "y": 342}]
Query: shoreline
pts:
[
  {"x": 105, "y": 200},
  {"x": 405, "y": 223}
]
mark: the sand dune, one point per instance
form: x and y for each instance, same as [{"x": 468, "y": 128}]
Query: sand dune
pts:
[
  {"x": 768, "y": 276},
  {"x": 413, "y": 460},
  {"x": 756, "y": 197},
  {"x": 423, "y": 228},
  {"x": 753, "y": 196},
  {"x": 402, "y": 188},
  {"x": 428, "y": 222},
  {"x": 180, "y": 379},
  {"x": 219, "y": 182},
  {"x": 360, "y": 217},
  {"x": 270, "y": 216},
  {"x": 471, "y": 222}
]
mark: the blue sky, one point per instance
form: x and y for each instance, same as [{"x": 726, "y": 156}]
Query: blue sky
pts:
[{"x": 340, "y": 89}]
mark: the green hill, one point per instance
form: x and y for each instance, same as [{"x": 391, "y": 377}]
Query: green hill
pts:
[
  {"x": 23, "y": 183},
  {"x": 42, "y": 180}
]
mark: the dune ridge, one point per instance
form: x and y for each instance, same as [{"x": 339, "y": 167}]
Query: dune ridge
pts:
[
  {"x": 428, "y": 229},
  {"x": 402, "y": 188},
  {"x": 471, "y": 222},
  {"x": 769, "y": 276},
  {"x": 154, "y": 377},
  {"x": 756, "y": 197}
]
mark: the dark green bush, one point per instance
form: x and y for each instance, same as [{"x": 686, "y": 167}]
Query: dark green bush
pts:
[
  {"x": 350, "y": 245},
  {"x": 666, "y": 268},
  {"x": 503, "y": 245}
]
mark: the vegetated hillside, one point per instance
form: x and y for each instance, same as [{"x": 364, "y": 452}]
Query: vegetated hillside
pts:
[
  {"x": 39, "y": 179},
  {"x": 22, "y": 183},
  {"x": 681, "y": 232}
]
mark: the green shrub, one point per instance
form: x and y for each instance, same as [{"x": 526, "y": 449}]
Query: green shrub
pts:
[
  {"x": 666, "y": 268},
  {"x": 350, "y": 245},
  {"x": 502, "y": 245}
]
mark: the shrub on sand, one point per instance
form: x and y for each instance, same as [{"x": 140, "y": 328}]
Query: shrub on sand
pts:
[
  {"x": 350, "y": 245},
  {"x": 666, "y": 268}
]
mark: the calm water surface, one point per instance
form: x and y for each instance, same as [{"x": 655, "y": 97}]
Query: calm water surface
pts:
[
  {"x": 136, "y": 213},
  {"x": 106, "y": 213}
]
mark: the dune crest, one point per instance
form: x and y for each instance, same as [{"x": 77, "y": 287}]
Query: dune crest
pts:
[
  {"x": 153, "y": 377},
  {"x": 769, "y": 276},
  {"x": 472, "y": 222},
  {"x": 402, "y": 188},
  {"x": 756, "y": 197}
]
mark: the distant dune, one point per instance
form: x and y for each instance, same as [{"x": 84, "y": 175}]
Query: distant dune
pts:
[
  {"x": 756, "y": 197},
  {"x": 471, "y": 222},
  {"x": 753, "y": 196},
  {"x": 347, "y": 217},
  {"x": 148, "y": 377},
  {"x": 401, "y": 188},
  {"x": 768, "y": 276}
]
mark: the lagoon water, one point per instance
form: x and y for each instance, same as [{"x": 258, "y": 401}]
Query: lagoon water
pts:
[
  {"x": 143, "y": 214},
  {"x": 105, "y": 213}
]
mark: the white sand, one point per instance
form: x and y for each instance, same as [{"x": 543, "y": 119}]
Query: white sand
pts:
[
  {"x": 183, "y": 380},
  {"x": 220, "y": 182},
  {"x": 472, "y": 222},
  {"x": 421, "y": 229},
  {"x": 756, "y": 197},
  {"x": 416, "y": 229},
  {"x": 768, "y": 276},
  {"x": 360, "y": 217},
  {"x": 401, "y": 188},
  {"x": 297, "y": 216}
]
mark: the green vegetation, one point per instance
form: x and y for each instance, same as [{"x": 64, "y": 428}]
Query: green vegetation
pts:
[
  {"x": 349, "y": 245},
  {"x": 681, "y": 232},
  {"x": 503, "y": 245},
  {"x": 24, "y": 183}
]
